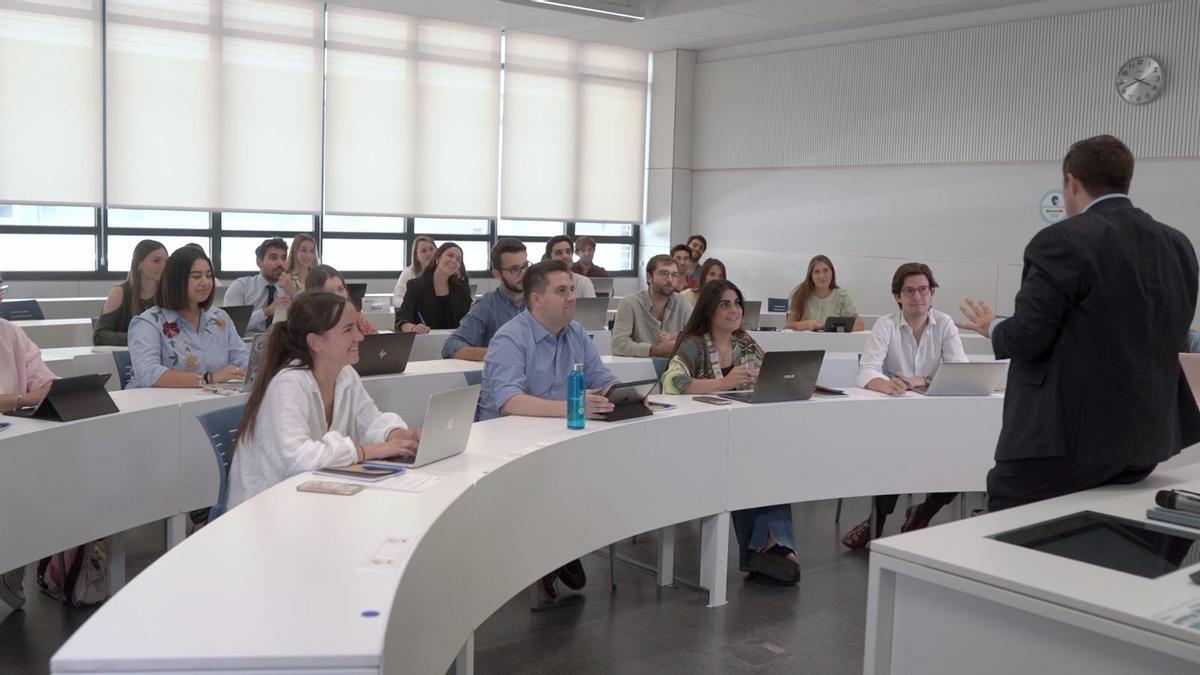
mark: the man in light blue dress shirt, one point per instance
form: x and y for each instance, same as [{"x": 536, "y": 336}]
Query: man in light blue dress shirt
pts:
[
  {"x": 262, "y": 291},
  {"x": 526, "y": 367},
  {"x": 474, "y": 333}
]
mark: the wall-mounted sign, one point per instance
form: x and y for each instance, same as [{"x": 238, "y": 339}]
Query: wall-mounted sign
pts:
[{"x": 1053, "y": 208}]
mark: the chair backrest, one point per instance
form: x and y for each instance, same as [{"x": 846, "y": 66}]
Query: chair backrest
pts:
[
  {"x": 221, "y": 428},
  {"x": 473, "y": 377},
  {"x": 660, "y": 365},
  {"x": 124, "y": 366},
  {"x": 21, "y": 310},
  {"x": 777, "y": 304}
]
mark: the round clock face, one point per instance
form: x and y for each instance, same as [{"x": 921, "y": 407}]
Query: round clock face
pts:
[{"x": 1140, "y": 80}]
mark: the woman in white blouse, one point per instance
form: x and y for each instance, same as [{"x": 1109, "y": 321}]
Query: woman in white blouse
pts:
[
  {"x": 308, "y": 409},
  {"x": 423, "y": 249}
]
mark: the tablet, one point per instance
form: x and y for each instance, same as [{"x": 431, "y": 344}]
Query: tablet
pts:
[{"x": 625, "y": 393}]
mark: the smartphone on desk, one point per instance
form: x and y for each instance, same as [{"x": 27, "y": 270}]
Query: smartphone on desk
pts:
[
  {"x": 712, "y": 400},
  {"x": 327, "y": 487}
]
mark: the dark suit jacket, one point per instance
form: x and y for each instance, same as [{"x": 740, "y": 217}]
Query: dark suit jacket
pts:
[
  {"x": 1105, "y": 303},
  {"x": 419, "y": 298}
]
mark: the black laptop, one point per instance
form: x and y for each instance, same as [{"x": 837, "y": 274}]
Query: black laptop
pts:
[
  {"x": 384, "y": 354},
  {"x": 784, "y": 376},
  {"x": 839, "y": 324},
  {"x": 240, "y": 316},
  {"x": 72, "y": 398}
]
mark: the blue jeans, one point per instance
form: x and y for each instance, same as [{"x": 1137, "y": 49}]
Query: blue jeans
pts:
[{"x": 755, "y": 527}]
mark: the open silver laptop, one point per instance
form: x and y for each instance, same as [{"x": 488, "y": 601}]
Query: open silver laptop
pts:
[
  {"x": 592, "y": 313},
  {"x": 965, "y": 379},
  {"x": 447, "y": 428},
  {"x": 751, "y": 314}
]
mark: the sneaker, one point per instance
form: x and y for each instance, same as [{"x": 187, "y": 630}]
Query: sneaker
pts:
[
  {"x": 12, "y": 587},
  {"x": 572, "y": 575}
]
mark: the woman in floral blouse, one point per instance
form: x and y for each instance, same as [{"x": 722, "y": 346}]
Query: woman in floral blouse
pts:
[
  {"x": 184, "y": 341},
  {"x": 713, "y": 354}
]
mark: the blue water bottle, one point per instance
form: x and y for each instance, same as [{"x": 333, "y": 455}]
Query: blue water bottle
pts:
[{"x": 576, "y": 390}]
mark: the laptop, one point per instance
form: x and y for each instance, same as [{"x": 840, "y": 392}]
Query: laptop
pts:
[
  {"x": 784, "y": 376},
  {"x": 447, "y": 429},
  {"x": 839, "y": 324},
  {"x": 965, "y": 379},
  {"x": 603, "y": 286},
  {"x": 1191, "y": 370},
  {"x": 258, "y": 346},
  {"x": 72, "y": 398},
  {"x": 751, "y": 314},
  {"x": 357, "y": 291},
  {"x": 240, "y": 316},
  {"x": 384, "y": 354},
  {"x": 592, "y": 313}
]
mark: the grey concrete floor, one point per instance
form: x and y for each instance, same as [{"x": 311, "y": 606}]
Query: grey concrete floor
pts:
[{"x": 816, "y": 627}]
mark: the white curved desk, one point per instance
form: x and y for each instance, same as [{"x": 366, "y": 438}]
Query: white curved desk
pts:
[{"x": 292, "y": 572}]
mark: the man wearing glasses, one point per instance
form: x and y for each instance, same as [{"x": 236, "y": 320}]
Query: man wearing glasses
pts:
[
  {"x": 903, "y": 351},
  {"x": 649, "y": 321},
  {"x": 470, "y": 341}
]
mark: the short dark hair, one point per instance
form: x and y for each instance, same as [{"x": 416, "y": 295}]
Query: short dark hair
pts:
[
  {"x": 172, "y": 290},
  {"x": 681, "y": 247},
  {"x": 1102, "y": 164},
  {"x": 273, "y": 242},
  {"x": 658, "y": 261},
  {"x": 909, "y": 269},
  {"x": 538, "y": 275},
  {"x": 703, "y": 241},
  {"x": 505, "y": 245},
  {"x": 558, "y": 240}
]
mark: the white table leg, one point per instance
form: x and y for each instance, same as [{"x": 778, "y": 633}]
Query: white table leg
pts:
[
  {"x": 116, "y": 563},
  {"x": 881, "y": 606},
  {"x": 464, "y": 663},
  {"x": 176, "y": 529},
  {"x": 714, "y": 556},
  {"x": 666, "y": 555}
]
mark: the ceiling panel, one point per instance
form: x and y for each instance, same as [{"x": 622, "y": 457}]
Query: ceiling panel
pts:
[
  {"x": 716, "y": 23},
  {"x": 807, "y": 12},
  {"x": 639, "y": 36}
]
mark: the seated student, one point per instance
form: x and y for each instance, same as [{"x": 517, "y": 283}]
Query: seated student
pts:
[
  {"x": 560, "y": 248},
  {"x": 585, "y": 248},
  {"x": 132, "y": 296},
  {"x": 526, "y": 367},
  {"x": 903, "y": 351},
  {"x": 324, "y": 277},
  {"x": 308, "y": 409},
  {"x": 699, "y": 246},
  {"x": 711, "y": 269},
  {"x": 715, "y": 354},
  {"x": 440, "y": 297},
  {"x": 302, "y": 256},
  {"x": 687, "y": 264},
  {"x": 649, "y": 321},
  {"x": 819, "y": 297},
  {"x": 423, "y": 249},
  {"x": 185, "y": 341},
  {"x": 263, "y": 290},
  {"x": 24, "y": 381},
  {"x": 493, "y": 310}
]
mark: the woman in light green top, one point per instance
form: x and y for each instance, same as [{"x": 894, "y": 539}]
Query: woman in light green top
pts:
[{"x": 818, "y": 297}]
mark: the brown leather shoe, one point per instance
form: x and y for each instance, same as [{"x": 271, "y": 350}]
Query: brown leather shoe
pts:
[
  {"x": 913, "y": 520},
  {"x": 858, "y": 537}
]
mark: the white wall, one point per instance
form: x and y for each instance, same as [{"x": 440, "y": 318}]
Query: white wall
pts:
[{"x": 933, "y": 147}]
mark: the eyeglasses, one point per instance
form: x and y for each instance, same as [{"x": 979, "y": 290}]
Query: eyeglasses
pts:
[
  {"x": 516, "y": 269},
  {"x": 910, "y": 292},
  {"x": 666, "y": 274}
]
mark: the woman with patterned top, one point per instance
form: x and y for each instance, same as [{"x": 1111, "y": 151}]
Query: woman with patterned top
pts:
[
  {"x": 185, "y": 341},
  {"x": 712, "y": 354}
]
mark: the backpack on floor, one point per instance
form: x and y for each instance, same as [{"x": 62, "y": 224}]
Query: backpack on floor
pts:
[{"x": 77, "y": 576}]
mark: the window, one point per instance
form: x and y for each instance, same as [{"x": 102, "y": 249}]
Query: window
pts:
[
  {"x": 284, "y": 223},
  {"x": 158, "y": 220},
  {"x": 47, "y": 252},
  {"x": 614, "y": 257},
  {"x": 120, "y": 248},
  {"x": 361, "y": 255},
  {"x": 450, "y": 226},
  {"x": 531, "y": 228},
  {"x": 475, "y": 254},
  {"x": 47, "y": 216},
  {"x": 381, "y": 224},
  {"x": 237, "y": 254},
  {"x": 604, "y": 229}
]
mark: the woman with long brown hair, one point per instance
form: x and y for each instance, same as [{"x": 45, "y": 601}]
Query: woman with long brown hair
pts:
[
  {"x": 819, "y": 297},
  {"x": 423, "y": 249},
  {"x": 302, "y": 257},
  {"x": 132, "y": 296},
  {"x": 308, "y": 409},
  {"x": 440, "y": 297},
  {"x": 325, "y": 277},
  {"x": 713, "y": 354},
  {"x": 711, "y": 269}
]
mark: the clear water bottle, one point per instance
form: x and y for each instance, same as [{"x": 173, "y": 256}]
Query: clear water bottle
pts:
[{"x": 576, "y": 392}]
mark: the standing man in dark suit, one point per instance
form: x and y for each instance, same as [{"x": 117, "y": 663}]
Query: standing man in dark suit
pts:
[{"x": 1095, "y": 393}]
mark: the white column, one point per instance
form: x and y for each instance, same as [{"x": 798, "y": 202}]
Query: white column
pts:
[{"x": 669, "y": 188}]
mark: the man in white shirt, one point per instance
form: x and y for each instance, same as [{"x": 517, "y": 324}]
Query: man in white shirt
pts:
[
  {"x": 563, "y": 249},
  {"x": 262, "y": 291},
  {"x": 903, "y": 352}
]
